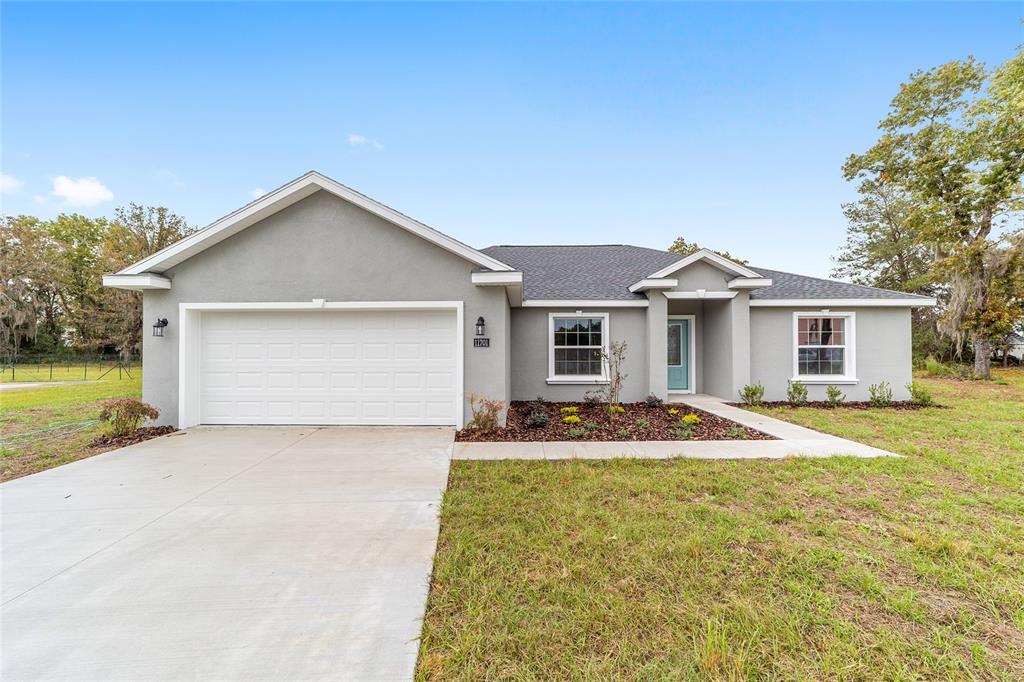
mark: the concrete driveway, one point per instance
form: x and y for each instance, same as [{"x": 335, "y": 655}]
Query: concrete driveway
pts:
[{"x": 225, "y": 553}]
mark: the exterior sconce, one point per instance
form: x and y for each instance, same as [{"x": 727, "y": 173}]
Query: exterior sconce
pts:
[
  {"x": 480, "y": 328},
  {"x": 158, "y": 328}
]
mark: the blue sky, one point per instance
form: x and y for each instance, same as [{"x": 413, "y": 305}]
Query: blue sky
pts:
[{"x": 498, "y": 124}]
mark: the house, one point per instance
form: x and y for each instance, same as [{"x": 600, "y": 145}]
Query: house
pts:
[{"x": 315, "y": 304}]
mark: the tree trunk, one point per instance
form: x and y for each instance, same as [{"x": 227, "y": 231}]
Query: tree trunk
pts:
[{"x": 982, "y": 358}]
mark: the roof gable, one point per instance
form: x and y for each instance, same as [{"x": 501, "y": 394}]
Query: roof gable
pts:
[
  {"x": 286, "y": 195},
  {"x": 707, "y": 256}
]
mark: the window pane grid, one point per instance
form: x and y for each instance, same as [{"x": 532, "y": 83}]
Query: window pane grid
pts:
[
  {"x": 578, "y": 344},
  {"x": 821, "y": 346}
]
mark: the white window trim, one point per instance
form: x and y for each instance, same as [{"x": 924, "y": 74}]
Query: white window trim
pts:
[
  {"x": 577, "y": 379},
  {"x": 849, "y": 361}
]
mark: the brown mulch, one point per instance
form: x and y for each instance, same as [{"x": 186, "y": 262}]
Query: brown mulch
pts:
[
  {"x": 518, "y": 427},
  {"x": 145, "y": 433},
  {"x": 898, "y": 405}
]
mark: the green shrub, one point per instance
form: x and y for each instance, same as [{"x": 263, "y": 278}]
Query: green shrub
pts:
[
  {"x": 622, "y": 433},
  {"x": 834, "y": 395},
  {"x": 571, "y": 409},
  {"x": 673, "y": 411},
  {"x": 736, "y": 432},
  {"x": 682, "y": 433},
  {"x": 616, "y": 409},
  {"x": 571, "y": 419},
  {"x": 576, "y": 433},
  {"x": 919, "y": 395},
  {"x": 643, "y": 424},
  {"x": 691, "y": 419},
  {"x": 485, "y": 412},
  {"x": 796, "y": 393},
  {"x": 653, "y": 401},
  {"x": 591, "y": 426},
  {"x": 126, "y": 415},
  {"x": 538, "y": 419},
  {"x": 935, "y": 368},
  {"x": 752, "y": 394},
  {"x": 880, "y": 394}
]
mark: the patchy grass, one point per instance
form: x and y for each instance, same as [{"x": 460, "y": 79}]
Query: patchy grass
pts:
[
  {"x": 25, "y": 410},
  {"x": 26, "y": 372},
  {"x": 796, "y": 569}
]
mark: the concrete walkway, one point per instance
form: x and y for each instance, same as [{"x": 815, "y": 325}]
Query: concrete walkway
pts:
[
  {"x": 793, "y": 441},
  {"x": 240, "y": 553}
]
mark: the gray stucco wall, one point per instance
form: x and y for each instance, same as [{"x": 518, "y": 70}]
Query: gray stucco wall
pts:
[
  {"x": 883, "y": 351},
  {"x": 530, "y": 353},
  {"x": 701, "y": 275},
  {"x": 325, "y": 247}
]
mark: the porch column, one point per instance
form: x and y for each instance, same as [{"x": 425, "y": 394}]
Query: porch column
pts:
[
  {"x": 740, "y": 312},
  {"x": 657, "y": 344}
]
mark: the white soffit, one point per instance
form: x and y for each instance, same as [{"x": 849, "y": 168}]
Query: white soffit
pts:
[{"x": 136, "y": 282}]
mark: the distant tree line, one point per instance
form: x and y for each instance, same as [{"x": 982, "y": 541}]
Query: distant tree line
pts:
[{"x": 51, "y": 296}]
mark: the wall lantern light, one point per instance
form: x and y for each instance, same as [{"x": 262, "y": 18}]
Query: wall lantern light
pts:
[
  {"x": 158, "y": 328},
  {"x": 480, "y": 328}
]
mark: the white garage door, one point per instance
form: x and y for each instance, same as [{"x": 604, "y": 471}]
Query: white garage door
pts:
[{"x": 328, "y": 367}]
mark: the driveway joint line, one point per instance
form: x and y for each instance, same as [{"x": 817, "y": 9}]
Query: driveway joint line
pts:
[{"x": 152, "y": 521}]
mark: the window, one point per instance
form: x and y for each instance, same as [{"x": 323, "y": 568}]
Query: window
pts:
[
  {"x": 824, "y": 346},
  {"x": 576, "y": 344}
]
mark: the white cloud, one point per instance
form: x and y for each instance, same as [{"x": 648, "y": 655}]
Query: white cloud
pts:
[
  {"x": 10, "y": 184},
  {"x": 357, "y": 140},
  {"x": 257, "y": 192},
  {"x": 81, "y": 191}
]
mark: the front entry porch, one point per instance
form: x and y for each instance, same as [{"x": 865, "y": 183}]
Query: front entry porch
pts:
[{"x": 681, "y": 360}]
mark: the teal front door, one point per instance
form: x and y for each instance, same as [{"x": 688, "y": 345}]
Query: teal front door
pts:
[{"x": 678, "y": 355}]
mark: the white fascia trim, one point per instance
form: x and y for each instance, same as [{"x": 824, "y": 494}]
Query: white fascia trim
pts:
[
  {"x": 749, "y": 283},
  {"x": 190, "y": 323},
  {"x": 566, "y": 303},
  {"x": 649, "y": 283},
  {"x": 831, "y": 302},
  {"x": 496, "y": 279},
  {"x": 700, "y": 294},
  {"x": 285, "y": 196},
  {"x": 709, "y": 256},
  {"x": 136, "y": 282}
]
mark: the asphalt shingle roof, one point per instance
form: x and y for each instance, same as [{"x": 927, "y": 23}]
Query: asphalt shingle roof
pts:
[{"x": 605, "y": 272}]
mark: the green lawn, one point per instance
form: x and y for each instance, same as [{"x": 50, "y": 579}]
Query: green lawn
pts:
[
  {"x": 26, "y": 372},
  {"x": 795, "y": 569},
  {"x": 26, "y": 410}
]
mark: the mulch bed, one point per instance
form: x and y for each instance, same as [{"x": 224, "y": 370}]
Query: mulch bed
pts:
[
  {"x": 899, "y": 405},
  {"x": 145, "y": 433},
  {"x": 661, "y": 422}
]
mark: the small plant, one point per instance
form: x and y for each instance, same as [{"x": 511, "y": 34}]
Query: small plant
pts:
[
  {"x": 752, "y": 394},
  {"x": 935, "y": 368},
  {"x": 126, "y": 415},
  {"x": 691, "y": 419},
  {"x": 622, "y": 433},
  {"x": 571, "y": 419},
  {"x": 796, "y": 393},
  {"x": 643, "y": 424},
  {"x": 576, "y": 433},
  {"x": 834, "y": 395},
  {"x": 591, "y": 426},
  {"x": 673, "y": 411},
  {"x": 592, "y": 398},
  {"x": 485, "y": 412},
  {"x": 880, "y": 394},
  {"x": 682, "y": 433},
  {"x": 736, "y": 432},
  {"x": 538, "y": 419},
  {"x": 571, "y": 409},
  {"x": 653, "y": 401},
  {"x": 919, "y": 395},
  {"x": 616, "y": 409}
]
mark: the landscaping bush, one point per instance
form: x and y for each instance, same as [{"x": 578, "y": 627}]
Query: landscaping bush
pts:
[
  {"x": 485, "y": 412},
  {"x": 796, "y": 393},
  {"x": 834, "y": 395},
  {"x": 653, "y": 401},
  {"x": 643, "y": 424},
  {"x": 919, "y": 395},
  {"x": 752, "y": 394},
  {"x": 576, "y": 433},
  {"x": 126, "y": 415},
  {"x": 622, "y": 433},
  {"x": 691, "y": 419},
  {"x": 570, "y": 409},
  {"x": 592, "y": 398},
  {"x": 616, "y": 409},
  {"x": 591, "y": 426},
  {"x": 571, "y": 419},
  {"x": 538, "y": 419},
  {"x": 880, "y": 394},
  {"x": 736, "y": 432},
  {"x": 935, "y": 368}
]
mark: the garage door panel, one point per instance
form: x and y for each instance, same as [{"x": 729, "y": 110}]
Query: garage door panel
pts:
[{"x": 328, "y": 367}]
